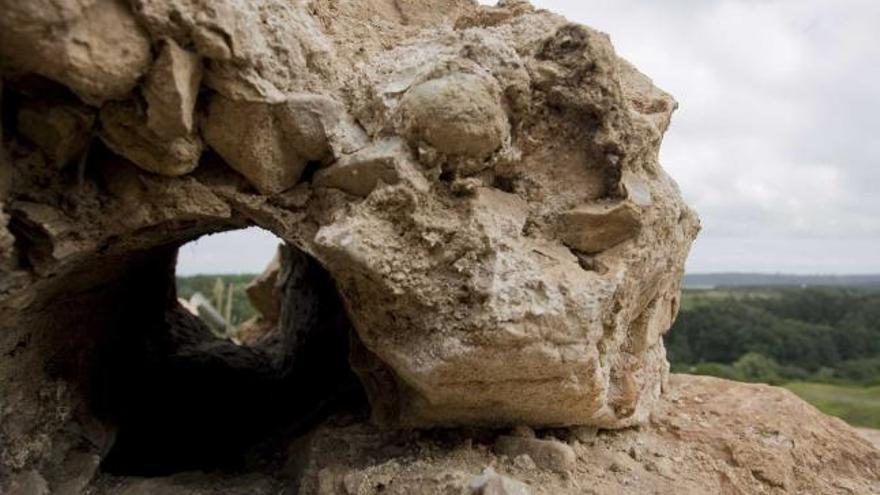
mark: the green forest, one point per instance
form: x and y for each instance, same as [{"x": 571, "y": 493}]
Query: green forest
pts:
[{"x": 821, "y": 343}]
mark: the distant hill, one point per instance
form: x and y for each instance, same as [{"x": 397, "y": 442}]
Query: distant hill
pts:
[{"x": 701, "y": 280}]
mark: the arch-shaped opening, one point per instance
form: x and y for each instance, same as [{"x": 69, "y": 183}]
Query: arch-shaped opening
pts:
[{"x": 181, "y": 395}]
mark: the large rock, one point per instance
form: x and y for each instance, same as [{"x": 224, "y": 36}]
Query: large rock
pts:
[
  {"x": 484, "y": 189},
  {"x": 532, "y": 283}
]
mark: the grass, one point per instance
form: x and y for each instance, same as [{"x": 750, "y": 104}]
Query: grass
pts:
[{"x": 858, "y": 406}]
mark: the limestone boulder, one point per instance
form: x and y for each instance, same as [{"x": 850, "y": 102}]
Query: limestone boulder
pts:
[
  {"x": 532, "y": 282},
  {"x": 470, "y": 197}
]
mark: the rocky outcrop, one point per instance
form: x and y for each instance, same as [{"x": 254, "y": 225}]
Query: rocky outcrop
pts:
[
  {"x": 705, "y": 436},
  {"x": 471, "y": 202}
]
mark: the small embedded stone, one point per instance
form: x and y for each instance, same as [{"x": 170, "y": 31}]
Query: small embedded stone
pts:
[
  {"x": 124, "y": 130},
  {"x": 250, "y": 139},
  {"x": 548, "y": 454},
  {"x": 593, "y": 228},
  {"x": 492, "y": 483},
  {"x": 458, "y": 114},
  {"x": 171, "y": 91},
  {"x": 361, "y": 172}
]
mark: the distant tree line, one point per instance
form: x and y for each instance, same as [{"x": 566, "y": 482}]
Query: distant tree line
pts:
[{"x": 779, "y": 335}]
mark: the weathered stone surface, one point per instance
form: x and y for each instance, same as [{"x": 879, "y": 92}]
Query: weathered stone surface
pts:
[
  {"x": 171, "y": 91},
  {"x": 264, "y": 291},
  {"x": 594, "y": 228},
  {"x": 190, "y": 484},
  {"x": 124, "y": 130},
  {"x": 271, "y": 144},
  {"x": 457, "y": 114},
  {"x": 258, "y": 51},
  {"x": 461, "y": 285},
  {"x": 870, "y": 435},
  {"x": 706, "y": 436},
  {"x": 63, "y": 132},
  {"x": 96, "y": 47},
  {"x": 523, "y": 217},
  {"x": 385, "y": 162},
  {"x": 28, "y": 483}
]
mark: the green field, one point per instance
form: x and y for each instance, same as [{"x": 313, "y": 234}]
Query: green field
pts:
[{"x": 858, "y": 406}]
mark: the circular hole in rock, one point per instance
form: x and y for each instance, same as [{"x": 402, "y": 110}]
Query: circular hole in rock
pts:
[{"x": 202, "y": 376}]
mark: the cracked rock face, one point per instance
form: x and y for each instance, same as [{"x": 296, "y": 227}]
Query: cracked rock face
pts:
[{"x": 481, "y": 183}]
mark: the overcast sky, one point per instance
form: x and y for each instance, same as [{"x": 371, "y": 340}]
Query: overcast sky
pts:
[{"x": 776, "y": 141}]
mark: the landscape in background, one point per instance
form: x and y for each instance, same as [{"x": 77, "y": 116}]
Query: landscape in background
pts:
[{"x": 816, "y": 335}]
